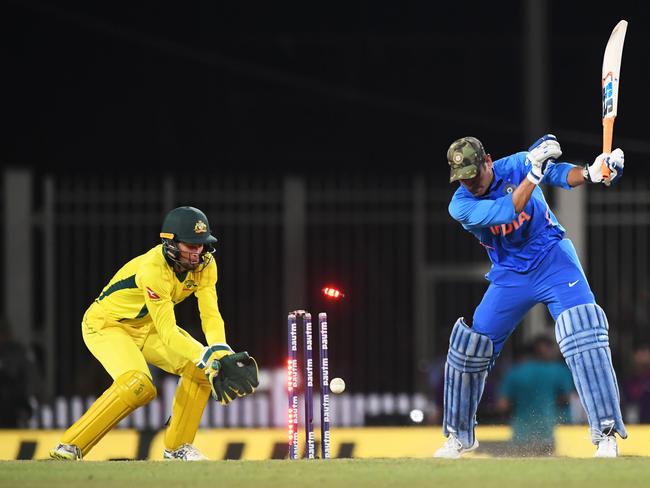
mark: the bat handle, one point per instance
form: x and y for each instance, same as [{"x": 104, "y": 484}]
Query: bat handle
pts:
[{"x": 608, "y": 135}]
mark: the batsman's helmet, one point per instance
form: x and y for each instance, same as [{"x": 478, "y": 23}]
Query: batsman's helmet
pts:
[
  {"x": 465, "y": 156},
  {"x": 189, "y": 225}
]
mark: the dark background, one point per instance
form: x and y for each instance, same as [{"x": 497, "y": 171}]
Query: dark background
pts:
[
  {"x": 353, "y": 96},
  {"x": 303, "y": 86}
]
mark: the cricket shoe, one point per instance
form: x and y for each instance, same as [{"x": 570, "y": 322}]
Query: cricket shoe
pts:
[
  {"x": 186, "y": 452},
  {"x": 607, "y": 447},
  {"x": 453, "y": 448},
  {"x": 66, "y": 452}
]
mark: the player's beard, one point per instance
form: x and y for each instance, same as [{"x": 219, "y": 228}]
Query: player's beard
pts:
[{"x": 185, "y": 265}]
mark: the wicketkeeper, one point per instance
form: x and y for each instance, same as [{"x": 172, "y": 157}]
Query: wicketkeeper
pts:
[
  {"x": 131, "y": 324},
  {"x": 501, "y": 203}
]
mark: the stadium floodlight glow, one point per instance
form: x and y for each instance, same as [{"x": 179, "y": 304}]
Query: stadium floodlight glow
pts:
[{"x": 333, "y": 292}]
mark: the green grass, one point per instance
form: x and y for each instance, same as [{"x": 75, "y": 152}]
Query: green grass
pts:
[{"x": 480, "y": 473}]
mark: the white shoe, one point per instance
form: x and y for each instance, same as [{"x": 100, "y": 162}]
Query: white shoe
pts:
[
  {"x": 186, "y": 452},
  {"x": 607, "y": 447},
  {"x": 453, "y": 448},
  {"x": 66, "y": 452}
]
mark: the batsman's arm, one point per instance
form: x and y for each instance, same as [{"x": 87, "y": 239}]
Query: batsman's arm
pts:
[
  {"x": 485, "y": 213},
  {"x": 474, "y": 213},
  {"x": 575, "y": 177},
  {"x": 557, "y": 174},
  {"x": 522, "y": 194},
  {"x": 563, "y": 175}
]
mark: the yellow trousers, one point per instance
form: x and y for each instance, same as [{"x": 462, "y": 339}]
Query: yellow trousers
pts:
[
  {"x": 126, "y": 348},
  {"x": 128, "y": 345}
]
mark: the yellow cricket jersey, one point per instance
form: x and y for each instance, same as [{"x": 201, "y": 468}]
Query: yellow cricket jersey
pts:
[{"x": 148, "y": 288}]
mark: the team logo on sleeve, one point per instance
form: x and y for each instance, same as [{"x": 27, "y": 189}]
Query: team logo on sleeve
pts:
[{"x": 152, "y": 294}]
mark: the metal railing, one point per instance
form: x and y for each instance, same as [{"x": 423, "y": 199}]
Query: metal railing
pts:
[{"x": 386, "y": 239}]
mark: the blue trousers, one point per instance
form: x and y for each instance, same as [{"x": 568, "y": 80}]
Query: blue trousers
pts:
[{"x": 559, "y": 282}]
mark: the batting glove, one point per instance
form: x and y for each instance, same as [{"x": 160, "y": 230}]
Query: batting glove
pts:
[
  {"x": 615, "y": 161},
  {"x": 544, "y": 150}
]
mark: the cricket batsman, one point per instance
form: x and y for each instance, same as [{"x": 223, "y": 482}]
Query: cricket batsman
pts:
[
  {"x": 500, "y": 202},
  {"x": 131, "y": 324}
]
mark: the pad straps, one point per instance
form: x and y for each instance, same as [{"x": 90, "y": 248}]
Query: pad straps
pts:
[{"x": 581, "y": 329}]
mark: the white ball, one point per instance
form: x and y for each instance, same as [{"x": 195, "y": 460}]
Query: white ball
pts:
[{"x": 337, "y": 385}]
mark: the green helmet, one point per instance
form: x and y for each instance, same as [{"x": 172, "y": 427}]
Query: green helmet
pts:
[
  {"x": 465, "y": 156},
  {"x": 187, "y": 224},
  {"x": 191, "y": 226}
]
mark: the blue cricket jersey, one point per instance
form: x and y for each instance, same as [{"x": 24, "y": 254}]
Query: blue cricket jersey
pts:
[{"x": 516, "y": 242}]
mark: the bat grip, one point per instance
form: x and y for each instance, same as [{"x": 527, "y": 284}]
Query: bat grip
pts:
[{"x": 608, "y": 135}]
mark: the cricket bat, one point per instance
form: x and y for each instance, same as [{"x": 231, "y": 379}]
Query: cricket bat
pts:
[{"x": 610, "y": 80}]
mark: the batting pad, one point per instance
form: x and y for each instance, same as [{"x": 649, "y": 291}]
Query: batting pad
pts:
[
  {"x": 466, "y": 370},
  {"x": 191, "y": 396},
  {"x": 582, "y": 334}
]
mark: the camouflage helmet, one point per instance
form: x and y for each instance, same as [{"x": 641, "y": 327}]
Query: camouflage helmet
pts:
[{"x": 465, "y": 156}]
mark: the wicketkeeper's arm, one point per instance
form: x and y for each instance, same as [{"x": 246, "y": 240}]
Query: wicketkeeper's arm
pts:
[
  {"x": 157, "y": 296},
  {"x": 211, "y": 320}
]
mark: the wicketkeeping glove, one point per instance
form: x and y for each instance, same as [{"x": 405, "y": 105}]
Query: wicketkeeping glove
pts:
[
  {"x": 209, "y": 361},
  {"x": 544, "y": 150},
  {"x": 238, "y": 377}
]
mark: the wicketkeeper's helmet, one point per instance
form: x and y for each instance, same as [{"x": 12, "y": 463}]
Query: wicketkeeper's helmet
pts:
[{"x": 189, "y": 225}]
